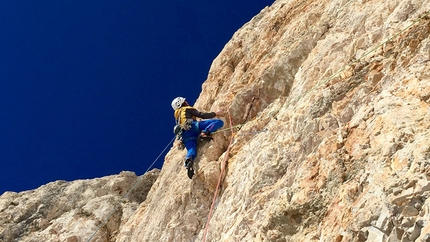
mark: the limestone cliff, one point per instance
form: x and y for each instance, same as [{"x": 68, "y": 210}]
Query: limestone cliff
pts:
[
  {"x": 72, "y": 211},
  {"x": 335, "y": 144},
  {"x": 332, "y": 101}
]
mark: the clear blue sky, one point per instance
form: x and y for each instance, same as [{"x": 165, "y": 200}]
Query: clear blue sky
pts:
[{"x": 86, "y": 86}]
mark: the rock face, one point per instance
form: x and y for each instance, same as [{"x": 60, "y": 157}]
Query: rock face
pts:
[
  {"x": 72, "y": 211},
  {"x": 335, "y": 143},
  {"x": 333, "y": 103}
]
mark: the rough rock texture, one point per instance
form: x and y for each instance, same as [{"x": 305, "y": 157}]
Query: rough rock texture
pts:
[
  {"x": 334, "y": 99},
  {"x": 336, "y": 138},
  {"x": 72, "y": 211}
]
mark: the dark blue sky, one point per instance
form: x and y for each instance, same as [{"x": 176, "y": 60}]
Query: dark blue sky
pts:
[{"x": 86, "y": 86}]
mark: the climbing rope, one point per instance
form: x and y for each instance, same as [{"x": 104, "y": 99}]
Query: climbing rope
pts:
[
  {"x": 219, "y": 178},
  {"x": 128, "y": 193},
  {"x": 273, "y": 114},
  {"x": 240, "y": 125}
]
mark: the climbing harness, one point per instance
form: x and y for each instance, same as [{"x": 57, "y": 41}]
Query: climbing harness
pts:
[
  {"x": 182, "y": 126},
  {"x": 177, "y": 130},
  {"x": 240, "y": 125},
  {"x": 181, "y": 120}
]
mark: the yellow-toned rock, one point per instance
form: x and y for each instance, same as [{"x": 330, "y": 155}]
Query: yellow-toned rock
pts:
[{"x": 332, "y": 98}]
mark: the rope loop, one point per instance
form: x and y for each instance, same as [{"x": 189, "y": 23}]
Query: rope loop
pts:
[{"x": 219, "y": 179}]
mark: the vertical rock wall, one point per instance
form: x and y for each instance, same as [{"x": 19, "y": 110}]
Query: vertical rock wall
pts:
[
  {"x": 335, "y": 143},
  {"x": 333, "y": 103}
]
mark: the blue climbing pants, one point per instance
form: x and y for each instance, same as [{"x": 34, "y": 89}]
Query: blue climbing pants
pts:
[{"x": 190, "y": 136}]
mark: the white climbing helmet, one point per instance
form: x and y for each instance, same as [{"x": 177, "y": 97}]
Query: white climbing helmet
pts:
[{"x": 177, "y": 102}]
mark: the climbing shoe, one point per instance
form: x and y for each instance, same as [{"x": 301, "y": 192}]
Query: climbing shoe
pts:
[
  {"x": 205, "y": 136},
  {"x": 189, "y": 165},
  {"x": 190, "y": 172},
  {"x": 187, "y": 162}
]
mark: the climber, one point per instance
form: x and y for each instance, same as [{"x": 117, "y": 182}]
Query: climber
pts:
[{"x": 189, "y": 130}]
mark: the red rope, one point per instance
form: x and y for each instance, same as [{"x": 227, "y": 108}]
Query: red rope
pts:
[{"x": 219, "y": 180}]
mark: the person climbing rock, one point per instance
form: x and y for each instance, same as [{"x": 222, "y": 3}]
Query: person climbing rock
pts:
[{"x": 189, "y": 130}]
